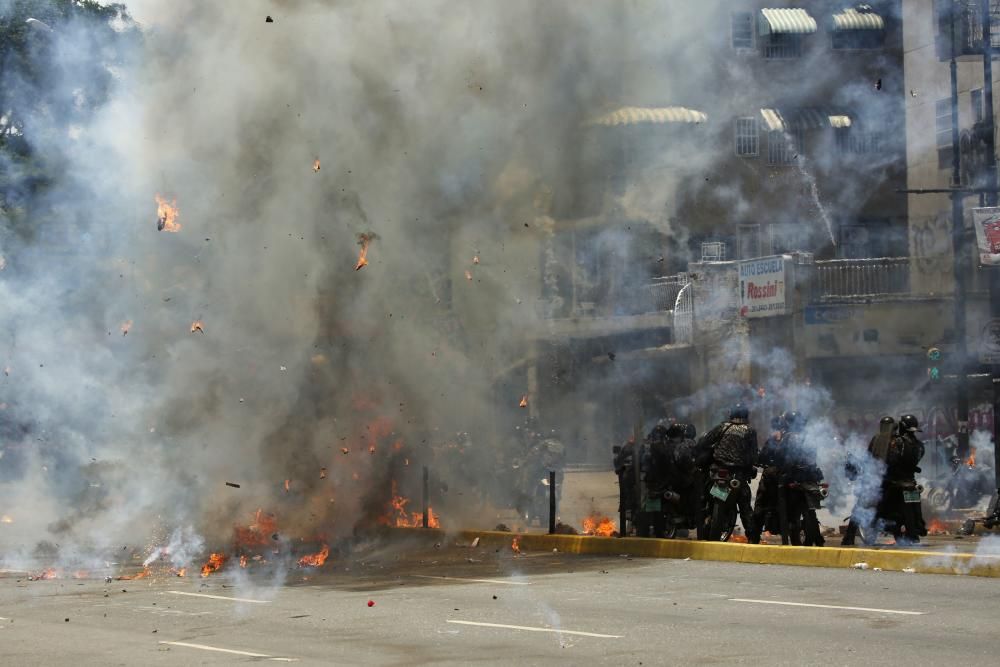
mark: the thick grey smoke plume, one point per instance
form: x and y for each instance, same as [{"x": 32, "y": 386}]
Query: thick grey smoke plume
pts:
[{"x": 442, "y": 128}]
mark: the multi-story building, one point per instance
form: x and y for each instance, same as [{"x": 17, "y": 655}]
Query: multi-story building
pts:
[{"x": 779, "y": 129}]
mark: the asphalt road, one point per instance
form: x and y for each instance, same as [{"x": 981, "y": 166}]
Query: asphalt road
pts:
[{"x": 461, "y": 605}]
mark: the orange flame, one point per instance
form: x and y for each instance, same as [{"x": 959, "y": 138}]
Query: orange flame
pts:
[
  {"x": 524, "y": 401},
  {"x": 288, "y": 483},
  {"x": 316, "y": 164},
  {"x": 141, "y": 575},
  {"x": 599, "y": 525},
  {"x": 515, "y": 545},
  {"x": 397, "y": 515},
  {"x": 937, "y": 527},
  {"x": 344, "y": 450},
  {"x": 258, "y": 533},
  {"x": 971, "y": 461},
  {"x": 214, "y": 564},
  {"x": 126, "y": 325},
  {"x": 180, "y": 573},
  {"x": 198, "y": 325},
  {"x": 243, "y": 561},
  {"x": 166, "y": 215},
  {"x": 363, "y": 241},
  {"x": 50, "y": 573},
  {"x": 316, "y": 559}
]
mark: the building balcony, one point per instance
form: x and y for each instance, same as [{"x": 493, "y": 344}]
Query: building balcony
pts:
[{"x": 858, "y": 279}]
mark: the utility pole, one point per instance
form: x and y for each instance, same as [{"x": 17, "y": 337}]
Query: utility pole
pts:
[{"x": 961, "y": 264}]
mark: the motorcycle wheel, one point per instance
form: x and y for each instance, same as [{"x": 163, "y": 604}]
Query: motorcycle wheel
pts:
[
  {"x": 968, "y": 527},
  {"x": 939, "y": 499},
  {"x": 723, "y": 522}
]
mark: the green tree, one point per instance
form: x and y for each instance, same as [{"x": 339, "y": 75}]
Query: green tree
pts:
[{"x": 58, "y": 63}]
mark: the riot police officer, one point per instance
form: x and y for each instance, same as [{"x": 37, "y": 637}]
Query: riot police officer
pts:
[
  {"x": 868, "y": 495},
  {"x": 732, "y": 445},
  {"x": 900, "y": 492},
  {"x": 769, "y": 458}
]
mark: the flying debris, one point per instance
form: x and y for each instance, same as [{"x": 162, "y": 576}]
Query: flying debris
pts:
[
  {"x": 322, "y": 473},
  {"x": 468, "y": 275},
  {"x": 316, "y": 164},
  {"x": 475, "y": 259},
  {"x": 268, "y": 20},
  {"x": 364, "y": 239},
  {"x": 166, "y": 215},
  {"x": 233, "y": 484}
]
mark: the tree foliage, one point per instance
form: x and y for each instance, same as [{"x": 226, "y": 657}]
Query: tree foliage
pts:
[{"x": 58, "y": 63}]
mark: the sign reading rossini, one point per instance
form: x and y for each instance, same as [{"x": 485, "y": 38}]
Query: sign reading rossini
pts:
[{"x": 762, "y": 286}]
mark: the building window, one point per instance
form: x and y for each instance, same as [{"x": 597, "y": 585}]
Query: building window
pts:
[
  {"x": 783, "y": 147},
  {"x": 853, "y": 141},
  {"x": 782, "y": 45},
  {"x": 742, "y": 23},
  {"x": 942, "y": 126},
  {"x": 858, "y": 39},
  {"x": 749, "y": 242},
  {"x": 976, "y": 101},
  {"x": 746, "y": 137},
  {"x": 713, "y": 251}
]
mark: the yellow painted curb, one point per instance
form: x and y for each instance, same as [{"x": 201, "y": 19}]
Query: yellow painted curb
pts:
[{"x": 929, "y": 562}]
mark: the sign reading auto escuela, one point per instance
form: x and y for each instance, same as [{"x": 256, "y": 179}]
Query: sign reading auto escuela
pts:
[{"x": 762, "y": 287}]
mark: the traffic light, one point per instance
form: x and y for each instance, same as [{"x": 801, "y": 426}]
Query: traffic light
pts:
[{"x": 933, "y": 364}]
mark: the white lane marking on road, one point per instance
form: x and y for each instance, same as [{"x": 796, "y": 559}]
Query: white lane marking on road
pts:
[
  {"x": 532, "y": 629},
  {"x": 248, "y": 654},
  {"x": 830, "y": 606},
  {"x": 509, "y": 582},
  {"x": 218, "y": 597}
]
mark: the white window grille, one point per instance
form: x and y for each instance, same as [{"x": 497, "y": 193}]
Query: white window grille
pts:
[
  {"x": 747, "y": 139},
  {"x": 749, "y": 242},
  {"x": 713, "y": 251},
  {"x": 742, "y": 25},
  {"x": 782, "y": 45},
  {"x": 783, "y": 147}
]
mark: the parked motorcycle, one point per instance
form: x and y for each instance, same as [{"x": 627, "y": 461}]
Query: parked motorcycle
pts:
[{"x": 724, "y": 489}]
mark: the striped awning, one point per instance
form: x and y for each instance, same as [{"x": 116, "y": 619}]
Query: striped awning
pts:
[
  {"x": 791, "y": 21},
  {"x": 776, "y": 120},
  {"x": 658, "y": 115},
  {"x": 860, "y": 18}
]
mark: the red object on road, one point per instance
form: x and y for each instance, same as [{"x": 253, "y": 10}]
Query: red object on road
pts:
[{"x": 371, "y": 603}]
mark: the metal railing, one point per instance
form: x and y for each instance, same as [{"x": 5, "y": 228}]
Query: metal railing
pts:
[
  {"x": 661, "y": 294},
  {"x": 862, "y": 277}
]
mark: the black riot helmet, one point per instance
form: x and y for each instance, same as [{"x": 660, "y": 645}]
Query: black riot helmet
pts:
[
  {"x": 659, "y": 433},
  {"x": 908, "y": 424},
  {"x": 739, "y": 414},
  {"x": 778, "y": 423},
  {"x": 886, "y": 424},
  {"x": 675, "y": 431}
]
